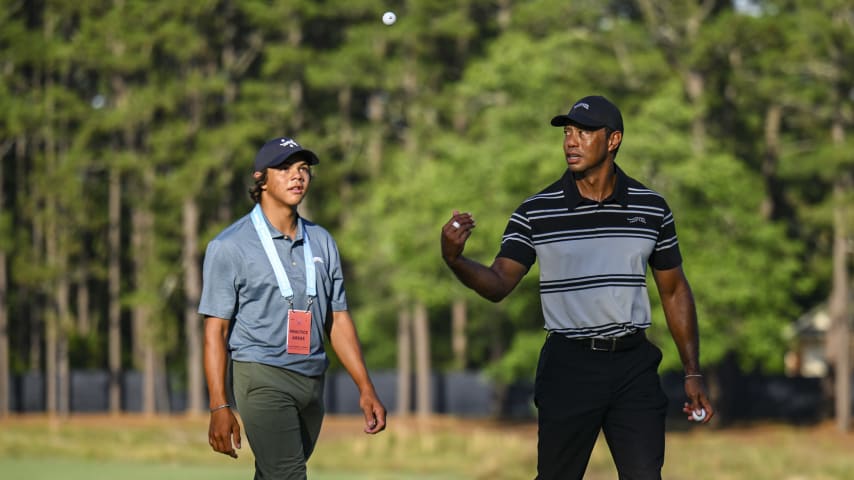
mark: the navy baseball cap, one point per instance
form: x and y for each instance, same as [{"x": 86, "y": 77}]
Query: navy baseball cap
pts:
[
  {"x": 277, "y": 150},
  {"x": 594, "y": 111}
]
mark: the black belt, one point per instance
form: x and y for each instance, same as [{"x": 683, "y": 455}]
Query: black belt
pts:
[{"x": 610, "y": 344}]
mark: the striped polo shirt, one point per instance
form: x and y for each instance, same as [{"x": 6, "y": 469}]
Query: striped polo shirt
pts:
[{"x": 593, "y": 256}]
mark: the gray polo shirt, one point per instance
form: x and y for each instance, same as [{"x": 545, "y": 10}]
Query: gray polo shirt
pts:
[{"x": 239, "y": 285}]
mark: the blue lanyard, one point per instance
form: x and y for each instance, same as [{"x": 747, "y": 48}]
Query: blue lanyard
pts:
[{"x": 281, "y": 277}]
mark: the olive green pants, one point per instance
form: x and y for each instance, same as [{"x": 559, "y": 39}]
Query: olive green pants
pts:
[{"x": 282, "y": 412}]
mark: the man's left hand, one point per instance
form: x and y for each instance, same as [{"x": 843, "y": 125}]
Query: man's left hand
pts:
[{"x": 375, "y": 413}]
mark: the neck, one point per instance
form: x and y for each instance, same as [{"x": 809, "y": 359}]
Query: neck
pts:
[
  {"x": 597, "y": 184},
  {"x": 284, "y": 218}
]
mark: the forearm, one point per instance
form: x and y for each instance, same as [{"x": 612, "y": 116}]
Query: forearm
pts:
[
  {"x": 478, "y": 277},
  {"x": 345, "y": 342},
  {"x": 216, "y": 360},
  {"x": 681, "y": 315},
  {"x": 494, "y": 282}
]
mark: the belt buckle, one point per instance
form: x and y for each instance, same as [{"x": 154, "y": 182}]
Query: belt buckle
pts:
[{"x": 612, "y": 348}]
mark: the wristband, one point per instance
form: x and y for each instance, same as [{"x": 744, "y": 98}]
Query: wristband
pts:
[
  {"x": 693, "y": 375},
  {"x": 220, "y": 407}
]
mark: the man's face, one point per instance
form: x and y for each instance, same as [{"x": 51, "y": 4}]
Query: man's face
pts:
[
  {"x": 586, "y": 148},
  {"x": 288, "y": 183}
]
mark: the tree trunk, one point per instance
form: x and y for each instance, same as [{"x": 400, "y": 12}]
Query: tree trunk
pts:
[
  {"x": 149, "y": 372},
  {"x": 773, "y": 119},
  {"x": 4, "y": 312},
  {"x": 375, "y": 110},
  {"x": 83, "y": 325},
  {"x": 192, "y": 276},
  {"x": 56, "y": 343},
  {"x": 37, "y": 316},
  {"x": 141, "y": 233},
  {"x": 52, "y": 319},
  {"x": 138, "y": 329},
  {"x": 142, "y": 319},
  {"x": 345, "y": 140},
  {"x": 295, "y": 88},
  {"x": 50, "y": 370},
  {"x": 63, "y": 323},
  {"x": 192, "y": 292},
  {"x": 48, "y": 246},
  {"x": 839, "y": 296},
  {"x": 376, "y": 114},
  {"x": 141, "y": 315},
  {"x": 838, "y": 310},
  {"x": 61, "y": 293},
  {"x": 421, "y": 328},
  {"x": 4, "y": 335},
  {"x": 161, "y": 382},
  {"x": 695, "y": 85},
  {"x": 4, "y": 327},
  {"x": 114, "y": 334},
  {"x": 504, "y": 15},
  {"x": 404, "y": 361},
  {"x": 459, "y": 341}
]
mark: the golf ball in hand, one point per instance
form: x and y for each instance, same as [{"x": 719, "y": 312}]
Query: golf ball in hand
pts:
[
  {"x": 699, "y": 415},
  {"x": 389, "y": 18}
]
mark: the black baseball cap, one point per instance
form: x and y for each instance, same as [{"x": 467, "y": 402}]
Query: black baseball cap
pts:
[
  {"x": 278, "y": 150},
  {"x": 594, "y": 111}
]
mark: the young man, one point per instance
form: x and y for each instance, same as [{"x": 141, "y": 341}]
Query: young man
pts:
[
  {"x": 594, "y": 231},
  {"x": 272, "y": 291}
]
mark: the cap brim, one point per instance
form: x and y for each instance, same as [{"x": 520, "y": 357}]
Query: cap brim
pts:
[
  {"x": 560, "y": 121},
  {"x": 583, "y": 120},
  {"x": 309, "y": 157}
]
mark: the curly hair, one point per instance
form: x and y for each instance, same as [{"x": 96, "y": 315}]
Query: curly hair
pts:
[{"x": 255, "y": 191}]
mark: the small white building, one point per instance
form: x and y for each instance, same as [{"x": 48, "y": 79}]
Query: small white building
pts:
[{"x": 808, "y": 356}]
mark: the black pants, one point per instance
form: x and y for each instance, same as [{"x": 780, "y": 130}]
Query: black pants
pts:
[{"x": 579, "y": 391}]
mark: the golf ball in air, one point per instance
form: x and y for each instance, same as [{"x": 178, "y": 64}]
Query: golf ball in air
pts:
[
  {"x": 389, "y": 18},
  {"x": 699, "y": 415}
]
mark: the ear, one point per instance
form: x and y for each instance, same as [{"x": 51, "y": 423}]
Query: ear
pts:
[
  {"x": 615, "y": 140},
  {"x": 258, "y": 176}
]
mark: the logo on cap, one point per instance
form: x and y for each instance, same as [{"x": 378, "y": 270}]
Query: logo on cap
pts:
[
  {"x": 287, "y": 142},
  {"x": 581, "y": 104}
]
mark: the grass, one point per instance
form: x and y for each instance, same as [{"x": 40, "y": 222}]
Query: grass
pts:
[{"x": 132, "y": 447}]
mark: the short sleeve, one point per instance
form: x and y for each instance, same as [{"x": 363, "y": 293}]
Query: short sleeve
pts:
[
  {"x": 517, "y": 242},
  {"x": 338, "y": 296},
  {"x": 219, "y": 281},
  {"x": 666, "y": 254}
]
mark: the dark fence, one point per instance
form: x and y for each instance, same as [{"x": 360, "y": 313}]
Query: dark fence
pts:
[{"x": 739, "y": 397}]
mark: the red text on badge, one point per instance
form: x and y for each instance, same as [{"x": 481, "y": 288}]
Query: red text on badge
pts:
[{"x": 299, "y": 332}]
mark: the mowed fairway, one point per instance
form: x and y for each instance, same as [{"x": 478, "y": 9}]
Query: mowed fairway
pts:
[{"x": 133, "y": 447}]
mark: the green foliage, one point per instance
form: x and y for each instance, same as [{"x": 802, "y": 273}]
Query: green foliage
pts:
[
  {"x": 446, "y": 110},
  {"x": 521, "y": 360},
  {"x": 740, "y": 270}
]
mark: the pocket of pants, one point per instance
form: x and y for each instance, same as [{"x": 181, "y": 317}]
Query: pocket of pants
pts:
[
  {"x": 656, "y": 352},
  {"x": 541, "y": 365},
  {"x": 241, "y": 382}
]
